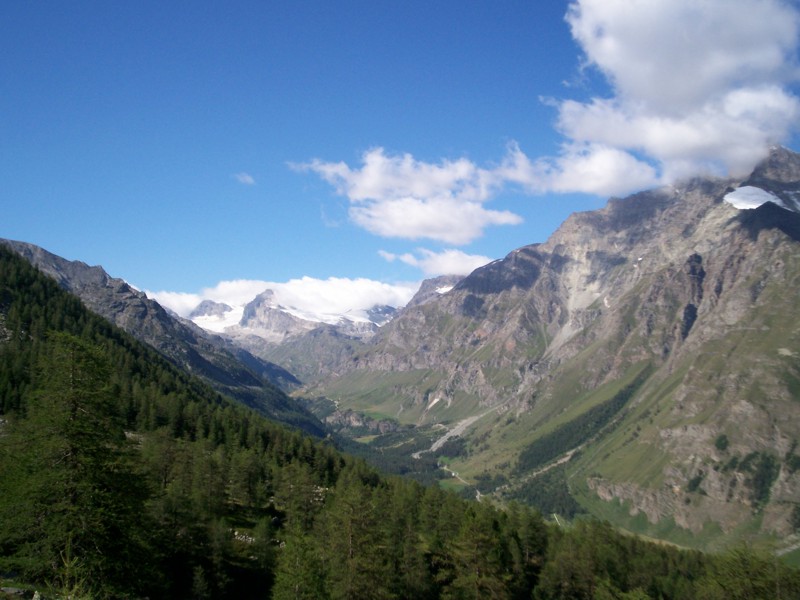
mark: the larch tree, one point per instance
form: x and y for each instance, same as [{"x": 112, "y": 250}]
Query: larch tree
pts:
[{"x": 72, "y": 504}]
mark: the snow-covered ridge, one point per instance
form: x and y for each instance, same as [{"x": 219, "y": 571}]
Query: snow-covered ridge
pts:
[
  {"x": 270, "y": 316},
  {"x": 220, "y": 322},
  {"x": 305, "y": 303}
]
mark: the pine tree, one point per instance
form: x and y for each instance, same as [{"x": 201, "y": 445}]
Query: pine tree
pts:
[
  {"x": 355, "y": 552},
  {"x": 479, "y": 558},
  {"x": 72, "y": 503},
  {"x": 298, "y": 572}
]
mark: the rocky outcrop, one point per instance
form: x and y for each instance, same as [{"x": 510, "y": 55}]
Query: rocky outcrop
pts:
[
  {"x": 431, "y": 289},
  {"x": 355, "y": 421}
]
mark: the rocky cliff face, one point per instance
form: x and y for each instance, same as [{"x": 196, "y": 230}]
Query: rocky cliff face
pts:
[
  {"x": 638, "y": 270},
  {"x": 673, "y": 288},
  {"x": 431, "y": 289}
]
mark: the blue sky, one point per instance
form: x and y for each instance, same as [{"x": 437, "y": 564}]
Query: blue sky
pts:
[{"x": 201, "y": 147}]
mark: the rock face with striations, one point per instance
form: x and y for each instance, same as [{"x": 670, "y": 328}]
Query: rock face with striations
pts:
[{"x": 670, "y": 314}]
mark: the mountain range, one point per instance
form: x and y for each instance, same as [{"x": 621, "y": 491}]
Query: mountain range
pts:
[
  {"x": 228, "y": 368},
  {"x": 644, "y": 361},
  {"x": 646, "y": 357},
  {"x": 642, "y": 364}
]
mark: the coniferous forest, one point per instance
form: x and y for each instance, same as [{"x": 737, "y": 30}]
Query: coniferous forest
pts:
[{"x": 123, "y": 477}]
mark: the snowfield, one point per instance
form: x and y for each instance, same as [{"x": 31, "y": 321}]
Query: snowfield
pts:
[{"x": 747, "y": 197}]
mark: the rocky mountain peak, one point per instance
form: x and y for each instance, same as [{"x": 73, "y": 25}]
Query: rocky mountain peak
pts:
[
  {"x": 209, "y": 308},
  {"x": 434, "y": 287},
  {"x": 264, "y": 318},
  {"x": 71, "y": 275},
  {"x": 265, "y": 301},
  {"x": 779, "y": 167},
  {"x": 775, "y": 180},
  {"x": 520, "y": 268}
]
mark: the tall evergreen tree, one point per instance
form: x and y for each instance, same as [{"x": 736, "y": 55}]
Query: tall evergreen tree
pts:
[
  {"x": 72, "y": 503},
  {"x": 355, "y": 554},
  {"x": 299, "y": 573},
  {"x": 480, "y": 560}
]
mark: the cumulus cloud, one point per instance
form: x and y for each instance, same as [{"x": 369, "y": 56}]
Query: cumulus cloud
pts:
[
  {"x": 245, "y": 178},
  {"x": 448, "y": 220},
  {"x": 447, "y": 262},
  {"x": 581, "y": 167},
  {"x": 309, "y": 295},
  {"x": 698, "y": 86},
  {"x": 677, "y": 55},
  {"x": 341, "y": 294},
  {"x": 386, "y": 176},
  {"x": 181, "y": 303},
  {"x": 400, "y": 196}
]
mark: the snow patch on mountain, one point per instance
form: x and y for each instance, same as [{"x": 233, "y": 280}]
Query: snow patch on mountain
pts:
[
  {"x": 747, "y": 197},
  {"x": 355, "y": 315},
  {"x": 220, "y": 321}
]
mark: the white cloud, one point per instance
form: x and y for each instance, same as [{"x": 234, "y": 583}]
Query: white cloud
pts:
[
  {"x": 446, "y": 220},
  {"x": 399, "y": 196},
  {"x": 341, "y": 294},
  {"x": 180, "y": 302},
  {"x": 676, "y": 55},
  {"x": 245, "y": 178},
  {"x": 447, "y": 262},
  {"x": 235, "y": 292},
  {"x": 392, "y": 177},
  {"x": 307, "y": 294},
  {"x": 581, "y": 167},
  {"x": 697, "y": 86}
]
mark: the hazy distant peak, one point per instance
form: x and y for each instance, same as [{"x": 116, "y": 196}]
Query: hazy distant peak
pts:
[{"x": 209, "y": 308}]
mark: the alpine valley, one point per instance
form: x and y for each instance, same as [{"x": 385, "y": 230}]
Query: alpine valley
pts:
[{"x": 642, "y": 365}]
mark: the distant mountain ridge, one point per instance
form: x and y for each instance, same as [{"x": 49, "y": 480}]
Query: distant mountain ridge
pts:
[
  {"x": 315, "y": 350},
  {"x": 228, "y": 368},
  {"x": 265, "y": 317}
]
